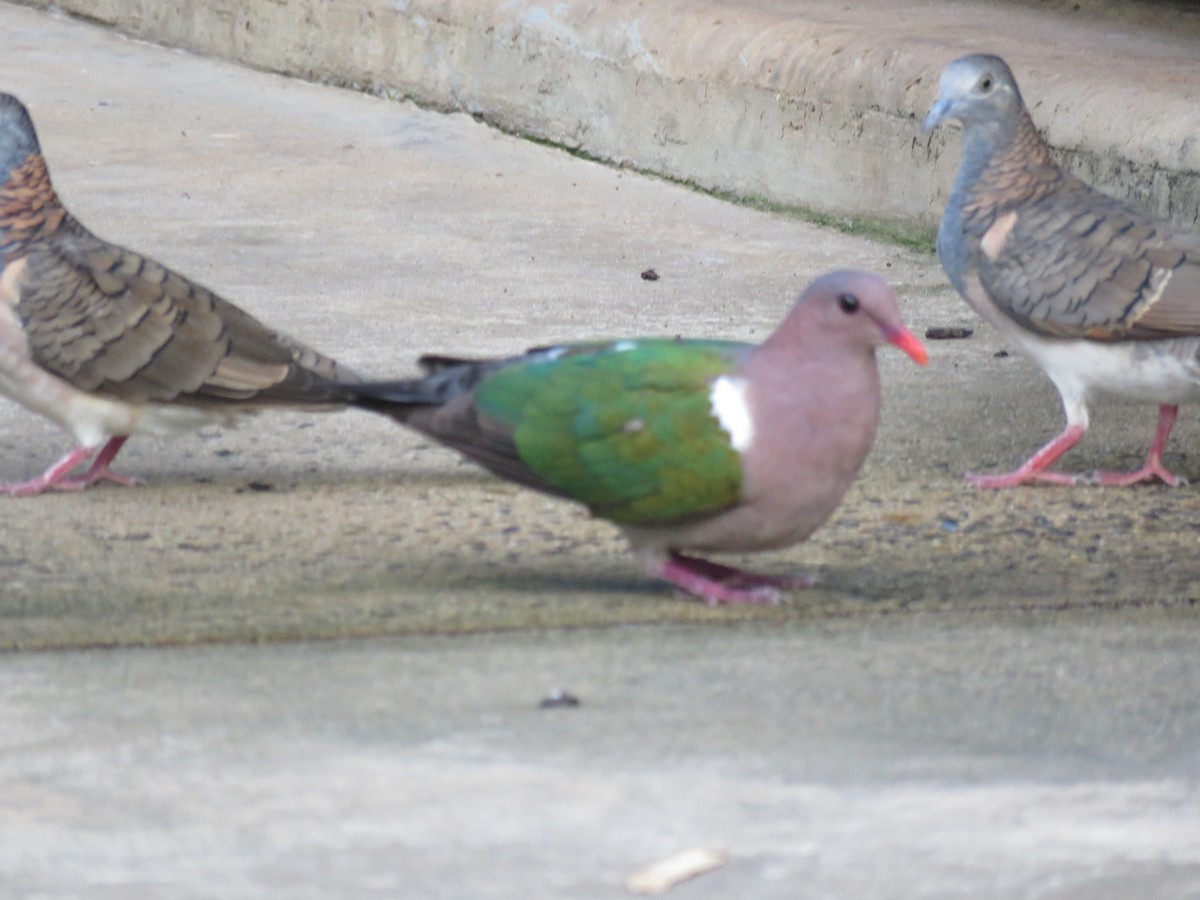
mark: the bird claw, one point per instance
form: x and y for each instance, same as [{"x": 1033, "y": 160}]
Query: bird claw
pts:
[
  {"x": 30, "y": 488},
  {"x": 41, "y": 484},
  {"x": 1022, "y": 476},
  {"x": 716, "y": 584},
  {"x": 762, "y": 595},
  {"x": 1034, "y": 471},
  {"x": 742, "y": 579},
  {"x": 1145, "y": 474},
  {"x": 88, "y": 479},
  {"x": 58, "y": 477},
  {"x": 1095, "y": 478}
]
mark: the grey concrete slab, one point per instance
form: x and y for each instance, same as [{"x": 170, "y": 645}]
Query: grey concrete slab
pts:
[
  {"x": 377, "y": 231},
  {"x": 992, "y": 695},
  {"x": 1034, "y": 756},
  {"x": 808, "y": 102}
]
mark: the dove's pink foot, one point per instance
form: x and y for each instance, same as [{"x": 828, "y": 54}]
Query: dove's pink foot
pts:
[
  {"x": 57, "y": 477},
  {"x": 714, "y": 583},
  {"x": 1034, "y": 468},
  {"x": 51, "y": 478},
  {"x": 1153, "y": 469},
  {"x": 99, "y": 470}
]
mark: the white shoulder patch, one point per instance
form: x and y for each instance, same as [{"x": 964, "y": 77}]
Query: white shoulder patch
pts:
[{"x": 729, "y": 405}]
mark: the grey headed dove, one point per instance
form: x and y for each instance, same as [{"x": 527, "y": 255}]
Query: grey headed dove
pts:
[
  {"x": 695, "y": 445},
  {"x": 108, "y": 344},
  {"x": 1102, "y": 296}
]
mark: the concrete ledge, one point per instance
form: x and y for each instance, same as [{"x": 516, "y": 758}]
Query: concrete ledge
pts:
[{"x": 811, "y": 104}]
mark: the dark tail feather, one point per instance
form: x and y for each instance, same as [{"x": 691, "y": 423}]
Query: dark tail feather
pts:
[
  {"x": 440, "y": 362},
  {"x": 437, "y": 362},
  {"x": 397, "y": 399},
  {"x": 439, "y": 406},
  {"x": 448, "y": 379}
]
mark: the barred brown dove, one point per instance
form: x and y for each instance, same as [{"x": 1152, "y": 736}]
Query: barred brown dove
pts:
[
  {"x": 108, "y": 344},
  {"x": 1102, "y": 296}
]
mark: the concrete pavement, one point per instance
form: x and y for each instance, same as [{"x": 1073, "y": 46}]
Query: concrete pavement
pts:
[
  {"x": 377, "y": 231},
  {"x": 1021, "y": 755},
  {"x": 990, "y": 694},
  {"x": 809, "y": 103}
]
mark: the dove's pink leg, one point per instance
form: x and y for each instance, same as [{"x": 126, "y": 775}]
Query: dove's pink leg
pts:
[
  {"x": 714, "y": 583},
  {"x": 99, "y": 470},
  {"x": 57, "y": 477},
  {"x": 1034, "y": 468},
  {"x": 51, "y": 477},
  {"x": 1153, "y": 467}
]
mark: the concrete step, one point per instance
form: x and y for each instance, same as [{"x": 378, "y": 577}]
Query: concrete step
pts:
[{"x": 814, "y": 104}]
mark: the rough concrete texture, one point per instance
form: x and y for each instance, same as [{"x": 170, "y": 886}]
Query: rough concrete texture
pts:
[
  {"x": 992, "y": 694},
  {"x": 815, "y": 103},
  {"x": 378, "y": 231},
  {"x": 1022, "y": 756}
]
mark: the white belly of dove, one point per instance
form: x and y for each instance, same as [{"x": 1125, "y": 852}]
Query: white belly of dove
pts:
[{"x": 1154, "y": 371}]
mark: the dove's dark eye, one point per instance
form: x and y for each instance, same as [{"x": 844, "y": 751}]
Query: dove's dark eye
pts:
[
  {"x": 986, "y": 84},
  {"x": 848, "y": 303}
]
